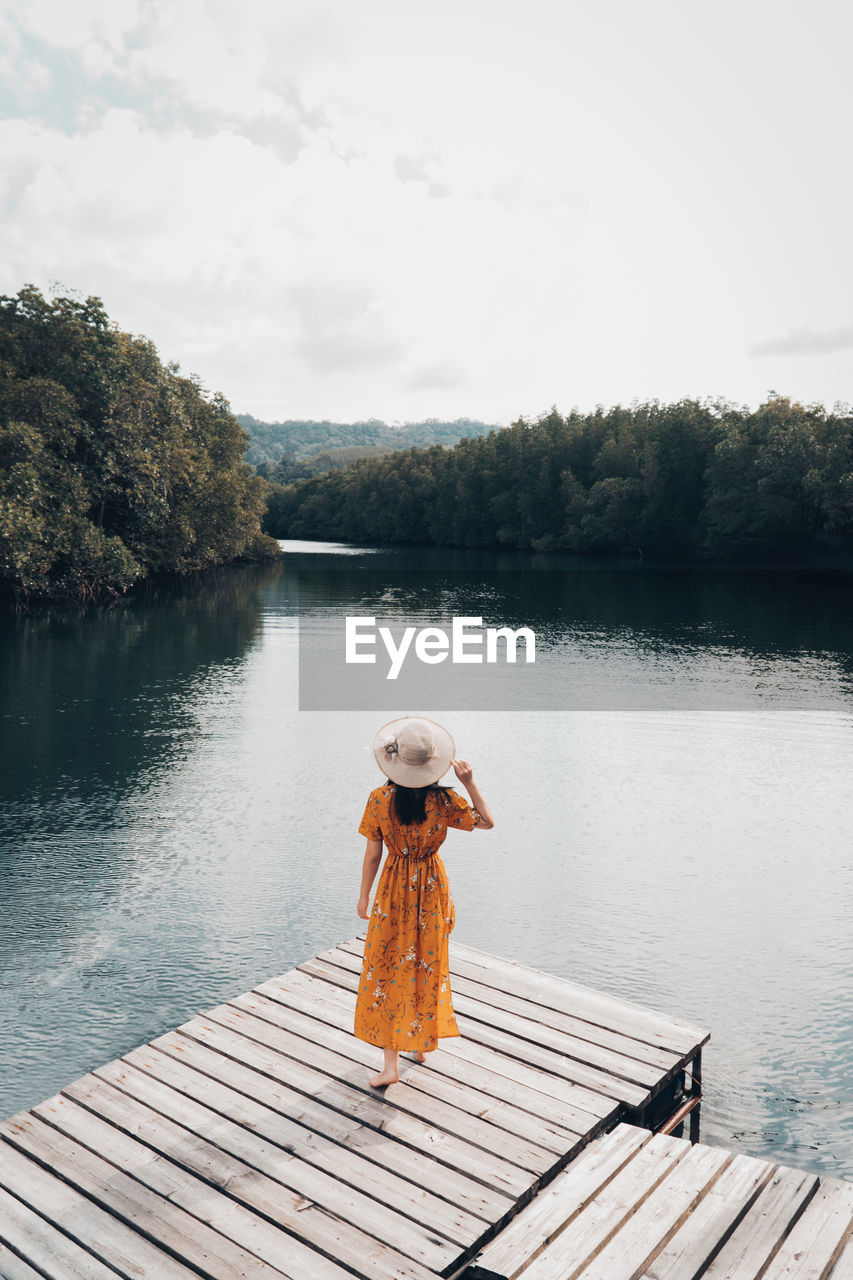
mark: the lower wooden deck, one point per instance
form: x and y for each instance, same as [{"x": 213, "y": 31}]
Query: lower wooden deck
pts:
[
  {"x": 637, "y": 1207},
  {"x": 249, "y": 1143}
]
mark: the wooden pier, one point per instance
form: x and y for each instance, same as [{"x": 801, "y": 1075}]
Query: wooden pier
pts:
[
  {"x": 634, "y": 1206},
  {"x": 248, "y": 1143}
]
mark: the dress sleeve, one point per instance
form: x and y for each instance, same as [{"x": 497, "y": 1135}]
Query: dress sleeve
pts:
[
  {"x": 460, "y": 813},
  {"x": 369, "y": 826}
]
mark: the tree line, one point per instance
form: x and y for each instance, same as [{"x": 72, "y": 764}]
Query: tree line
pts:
[
  {"x": 113, "y": 467},
  {"x": 269, "y": 441},
  {"x": 291, "y": 466},
  {"x": 691, "y": 479}
]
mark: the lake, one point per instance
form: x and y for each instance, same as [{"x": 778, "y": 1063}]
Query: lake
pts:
[{"x": 672, "y": 783}]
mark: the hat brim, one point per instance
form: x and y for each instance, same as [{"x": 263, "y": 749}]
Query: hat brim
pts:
[{"x": 411, "y": 775}]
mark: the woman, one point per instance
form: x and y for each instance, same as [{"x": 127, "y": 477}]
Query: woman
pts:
[{"x": 404, "y": 999}]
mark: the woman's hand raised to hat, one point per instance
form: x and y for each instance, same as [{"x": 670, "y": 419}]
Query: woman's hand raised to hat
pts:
[
  {"x": 465, "y": 774},
  {"x": 463, "y": 771}
]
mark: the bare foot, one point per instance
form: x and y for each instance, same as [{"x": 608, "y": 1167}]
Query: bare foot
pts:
[
  {"x": 384, "y": 1077},
  {"x": 419, "y": 1057}
]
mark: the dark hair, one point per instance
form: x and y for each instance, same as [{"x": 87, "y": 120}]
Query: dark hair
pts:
[{"x": 410, "y": 802}]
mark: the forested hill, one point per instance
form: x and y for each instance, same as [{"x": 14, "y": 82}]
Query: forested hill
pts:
[
  {"x": 269, "y": 440},
  {"x": 113, "y": 467},
  {"x": 690, "y": 479}
]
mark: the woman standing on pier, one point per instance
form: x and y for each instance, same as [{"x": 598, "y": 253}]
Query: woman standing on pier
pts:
[{"x": 404, "y": 999}]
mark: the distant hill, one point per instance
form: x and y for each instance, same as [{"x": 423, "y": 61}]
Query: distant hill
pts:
[
  {"x": 270, "y": 440},
  {"x": 289, "y": 467}
]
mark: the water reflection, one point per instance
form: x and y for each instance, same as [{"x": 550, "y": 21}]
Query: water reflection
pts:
[
  {"x": 90, "y": 699},
  {"x": 607, "y": 637},
  {"x": 174, "y": 829},
  {"x": 98, "y": 707},
  {"x": 770, "y": 613}
]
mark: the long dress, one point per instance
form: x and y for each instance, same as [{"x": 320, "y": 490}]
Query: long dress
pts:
[{"x": 404, "y": 999}]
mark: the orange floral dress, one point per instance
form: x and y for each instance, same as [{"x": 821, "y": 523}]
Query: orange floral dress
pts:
[{"x": 404, "y": 999}]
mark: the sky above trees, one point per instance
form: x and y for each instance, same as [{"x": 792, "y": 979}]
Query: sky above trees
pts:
[{"x": 471, "y": 209}]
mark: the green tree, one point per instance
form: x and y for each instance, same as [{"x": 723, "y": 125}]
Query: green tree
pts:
[
  {"x": 837, "y": 478},
  {"x": 112, "y": 466},
  {"x": 690, "y": 479}
]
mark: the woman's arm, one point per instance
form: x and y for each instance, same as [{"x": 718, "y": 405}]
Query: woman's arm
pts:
[
  {"x": 372, "y": 859},
  {"x": 465, "y": 774}
]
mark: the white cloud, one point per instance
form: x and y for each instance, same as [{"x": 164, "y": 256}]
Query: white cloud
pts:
[
  {"x": 72, "y": 26},
  {"x": 21, "y": 74},
  {"x": 441, "y": 374},
  {"x": 95, "y": 30},
  {"x": 344, "y": 326},
  {"x": 215, "y": 64},
  {"x": 807, "y": 342},
  {"x": 356, "y": 210}
]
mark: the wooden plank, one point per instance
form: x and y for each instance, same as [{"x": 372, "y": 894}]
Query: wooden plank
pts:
[
  {"x": 648, "y": 1025},
  {"x": 552, "y": 1210},
  {"x": 439, "y": 1111},
  {"x": 584, "y": 1052},
  {"x": 660, "y": 1215},
  {"x": 542, "y": 1095},
  {"x": 441, "y": 1187},
  {"x": 713, "y": 1220},
  {"x": 843, "y": 1269},
  {"x": 342, "y": 1181},
  {"x": 482, "y": 1093},
  {"x": 443, "y": 1102},
  {"x": 13, "y": 1267},
  {"x": 554, "y": 1018},
  {"x": 547, "y": 1060},
  {"x": 507, "y": 1036},
  {"x": 564, "y": 1089},
  {"x": 461, "y": 1164},
  {"x": 755, "y": 1241},
  {"x": 54, "y": 1253},
  {"x": 268, "y": 1179},
  {"x": 336, "y": 1004},
  {"x": 818, "y": 1238},
  {"x": 546, "y": 1141},
  {"x": 66, "y": 1235},
  {"x": 573, "y": 1097},
  {"x": 559, "y": 1133},
  {"x": 249, "y": 1143},
  {"x": 525, "y": 1024},
  {"x": 598, "y": 1036},
  {"x": 314, "y": 1146},
  {"x": 591, "y": 1231},
  {"x": 473, "y": 1159},
  {"x": 183, "y": 1232}
]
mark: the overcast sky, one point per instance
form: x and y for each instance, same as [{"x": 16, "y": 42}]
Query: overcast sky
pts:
[{"x": 479, "y": 208}]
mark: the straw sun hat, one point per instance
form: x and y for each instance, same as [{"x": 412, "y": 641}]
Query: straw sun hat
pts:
[{"x": 413, "y": 751}]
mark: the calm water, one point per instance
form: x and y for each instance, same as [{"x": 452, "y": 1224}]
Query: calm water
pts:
[{"x": 174, "y": 829}]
